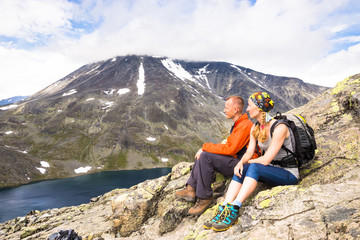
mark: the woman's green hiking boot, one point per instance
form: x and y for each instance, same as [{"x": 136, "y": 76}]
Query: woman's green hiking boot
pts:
[
  {"x": 209, "y": 224},
  {"x": 228, "y": 218}
]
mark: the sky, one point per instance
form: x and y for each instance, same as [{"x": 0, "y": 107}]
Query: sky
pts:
[{"x": 42, "y": 41}]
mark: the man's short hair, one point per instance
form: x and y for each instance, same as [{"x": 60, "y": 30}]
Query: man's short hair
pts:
[{"x": 238, "y": 101}]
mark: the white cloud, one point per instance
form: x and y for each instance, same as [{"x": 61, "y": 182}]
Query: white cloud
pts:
[
  {"x": 298, "y": 38},
  {"x": 336, "y": 67},
  {"x": 34, "y": 19},
  {"x": 25, "y": 72}
]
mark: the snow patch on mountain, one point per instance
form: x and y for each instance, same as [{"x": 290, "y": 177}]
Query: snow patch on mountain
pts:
[
  {"x": 44, "y": 164},
  {"x": 107, "y": 105},
  {"x": 202, "y": 75},
  {"x": 93, "y": 69},
  {"x": 141, "y": 81},
  {"x": 151, "y": 139},
  {"x": 9, "y": 107},
  {"x": 110, "y": 92},
  {"x": 123, "y": 91},
  {"x": 42, "y": 170},
  {"x": 177, "y": 70},
  {"x": 82, "y": 169},
  {"x": 247, "y": 77},
  {"x": 71, "y": 92}
]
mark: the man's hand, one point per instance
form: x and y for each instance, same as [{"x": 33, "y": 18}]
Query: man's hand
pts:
[
  {"x": 238, "y": 170},
  {"x": 197, "y": 156}
]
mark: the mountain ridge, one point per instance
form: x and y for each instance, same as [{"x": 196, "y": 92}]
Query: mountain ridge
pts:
[
  {"x": 130, "y": 112},
  {"x": 12, "y": 100}
]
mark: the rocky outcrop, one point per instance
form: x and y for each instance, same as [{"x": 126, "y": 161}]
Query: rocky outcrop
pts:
[{"x": 324, "y": 205}]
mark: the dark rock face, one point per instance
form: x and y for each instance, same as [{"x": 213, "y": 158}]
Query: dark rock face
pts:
[{"x": 133, "y": 112}]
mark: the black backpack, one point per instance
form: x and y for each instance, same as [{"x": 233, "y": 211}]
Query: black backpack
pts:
[
  {"x": 65, "y": 235},
  {"x": 302, "y": 138}
]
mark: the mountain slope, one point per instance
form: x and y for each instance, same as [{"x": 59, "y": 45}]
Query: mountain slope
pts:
[
  {"x": 132, "y": 112},
  {"x": 12, "y": 100},
  {"x": 324, "y": 205},
  {"x": 227, "y": 79}
]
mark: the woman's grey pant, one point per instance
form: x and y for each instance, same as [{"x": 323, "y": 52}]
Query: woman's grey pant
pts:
[{"x": 203, "y": 172}]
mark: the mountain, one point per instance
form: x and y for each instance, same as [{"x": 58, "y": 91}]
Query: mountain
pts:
[
  {"x": 129, "y": 112},
  {"x": 324, "y": 204},
  {"x": 12, "y": 100}
]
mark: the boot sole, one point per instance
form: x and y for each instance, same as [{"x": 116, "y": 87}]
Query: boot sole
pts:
[
  {"x": 207, "y": 227},
  {"x": 224, "y": 229},
  {"x": 199, "y": 213}
]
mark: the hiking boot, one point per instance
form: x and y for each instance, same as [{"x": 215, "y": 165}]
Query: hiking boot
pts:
[
  {"x": 188, "y": 194},
  {"x": 228, "y": 218},
  {"x": 200, "y": 206},
  {"x": 209, "y": 224}
]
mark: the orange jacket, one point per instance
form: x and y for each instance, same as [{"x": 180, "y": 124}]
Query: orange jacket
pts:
[{"x": 239, "y": 137}]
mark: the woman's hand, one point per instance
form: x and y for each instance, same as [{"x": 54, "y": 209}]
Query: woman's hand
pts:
[
  {"x": 197, "y": 156},
  {"x": 238, "y": 170}
]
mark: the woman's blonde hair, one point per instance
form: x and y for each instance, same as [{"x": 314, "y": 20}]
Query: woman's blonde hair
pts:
[{"x": 259, "y": 131}]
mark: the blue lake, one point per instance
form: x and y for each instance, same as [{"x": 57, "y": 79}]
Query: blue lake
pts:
[{"x": 58, "y": 193}]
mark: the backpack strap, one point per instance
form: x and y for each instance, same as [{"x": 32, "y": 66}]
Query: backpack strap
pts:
[
  {"x": 257, "y": 148},
  {"x": 291, "y": 159},
  {"x": 290, "y": 132},
  {"x": 281, "y": 119}
]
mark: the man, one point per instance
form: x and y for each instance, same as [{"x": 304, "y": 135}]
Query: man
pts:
[{"x": 221, "y": 157}]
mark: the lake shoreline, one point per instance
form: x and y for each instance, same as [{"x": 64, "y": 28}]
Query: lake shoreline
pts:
[
  {"x": 77, "y": 175},
  {"x": 65, "y": 192}
]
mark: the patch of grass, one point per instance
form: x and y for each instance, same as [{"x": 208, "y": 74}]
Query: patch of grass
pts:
[
  {"x": 156, "y": 160},
  {"x": 116, "y": 161},
  {"x": 179, "y": 158}
]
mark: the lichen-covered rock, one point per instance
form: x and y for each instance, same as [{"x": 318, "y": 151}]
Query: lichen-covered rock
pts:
[
  {"x": 135, "y": 206},
  {"x": 335, "y": 118}
]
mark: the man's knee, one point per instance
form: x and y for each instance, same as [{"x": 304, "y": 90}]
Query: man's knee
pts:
[
  {"x": 206, "y": 160},
  {"x": 204, "y": 155}
]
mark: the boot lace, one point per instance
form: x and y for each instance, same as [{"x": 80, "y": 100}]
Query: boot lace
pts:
[
  {"x": 225, "y": 213},
  {"x": 217, "y": 214},
  {"x": 197, "y": 203}
]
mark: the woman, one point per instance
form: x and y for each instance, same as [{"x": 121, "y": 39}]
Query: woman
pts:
[{"x": 249, "y": 171}]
